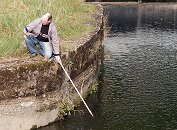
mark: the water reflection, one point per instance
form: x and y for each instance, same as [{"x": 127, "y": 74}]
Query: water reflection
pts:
[
  {"x": 139, "y": 87},
  {"x": 145, "y": 16},
  {"x": 144, "y": 58}
]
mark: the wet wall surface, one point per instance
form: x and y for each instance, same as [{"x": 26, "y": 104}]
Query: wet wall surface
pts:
[{"x": 131, "y": 18}]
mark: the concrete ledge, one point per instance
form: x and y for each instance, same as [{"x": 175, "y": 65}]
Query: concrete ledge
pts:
[{"x": 33, "y": 91}]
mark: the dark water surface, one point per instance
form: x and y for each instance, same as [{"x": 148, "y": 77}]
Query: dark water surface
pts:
[{"x": 139, "y": 81}]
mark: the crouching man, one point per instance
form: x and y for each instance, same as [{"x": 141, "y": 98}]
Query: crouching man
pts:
[{"x": 41, "y": 38}]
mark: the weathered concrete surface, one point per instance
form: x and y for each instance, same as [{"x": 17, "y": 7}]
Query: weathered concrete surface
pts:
[{"x": 35, "y": 92}]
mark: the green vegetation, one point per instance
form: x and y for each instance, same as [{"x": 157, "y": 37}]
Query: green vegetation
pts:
[
  {"x": 94, "y": 87},
  {"x": 69, "y": 17},
  {"x": 66, "y": 106}
]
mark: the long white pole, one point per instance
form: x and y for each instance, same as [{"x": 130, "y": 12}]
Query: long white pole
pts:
[{"x": 76, "y": 89}]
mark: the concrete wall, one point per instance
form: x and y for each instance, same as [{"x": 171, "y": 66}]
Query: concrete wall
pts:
[{"x": 35, "y": 92}]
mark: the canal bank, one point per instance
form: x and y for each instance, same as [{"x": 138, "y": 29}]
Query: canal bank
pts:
[
  {"x": 138, "y": 85},
  {"x": 35, "y": 92}
]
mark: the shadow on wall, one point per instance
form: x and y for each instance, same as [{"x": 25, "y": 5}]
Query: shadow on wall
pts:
[{"x": 123, "y": 18}]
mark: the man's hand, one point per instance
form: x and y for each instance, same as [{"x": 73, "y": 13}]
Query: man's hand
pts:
[
  {"x": 58, "y": 60},
  {"x": 28, "y": 34}
]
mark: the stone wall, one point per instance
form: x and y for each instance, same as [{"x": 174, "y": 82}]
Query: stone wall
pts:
[{"x": 33, "y": 91}]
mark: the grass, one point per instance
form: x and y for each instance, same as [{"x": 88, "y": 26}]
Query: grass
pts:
[{"x": 68, "y": 15}]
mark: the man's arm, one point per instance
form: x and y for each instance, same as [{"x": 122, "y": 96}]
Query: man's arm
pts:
[
  {"x": 30, "y": 27},
  {"x": 55, "y": 41},
  {"x": 55, "y": 44}
]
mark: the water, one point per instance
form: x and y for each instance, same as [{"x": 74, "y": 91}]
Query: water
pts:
[{"x": 139, "y": 80}]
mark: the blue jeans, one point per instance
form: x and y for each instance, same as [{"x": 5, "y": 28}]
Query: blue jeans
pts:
[{"x": 34, "y": 46}]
